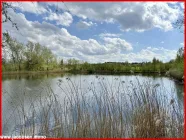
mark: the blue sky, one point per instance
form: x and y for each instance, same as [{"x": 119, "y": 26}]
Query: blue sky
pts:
[{"x": 101, "y": 32}]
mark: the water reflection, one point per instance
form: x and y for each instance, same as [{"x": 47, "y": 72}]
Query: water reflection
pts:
[
  {"x": 36, "y": 76},
  {"x": 23, "y": 89}
]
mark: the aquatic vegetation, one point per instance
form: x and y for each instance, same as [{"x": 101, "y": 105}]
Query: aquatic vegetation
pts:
[{"x": 129, "y": 110}]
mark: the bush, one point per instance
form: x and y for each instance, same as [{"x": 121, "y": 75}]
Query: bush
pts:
[{"x": 176, "y": 74}]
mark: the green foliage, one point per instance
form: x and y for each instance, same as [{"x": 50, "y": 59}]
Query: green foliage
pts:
[
  {"x": 177, "y": 69},
  {"x": 157, "y": 67},
  {"x": 176, "y": 73},
  {"x": 32, "y": 56},
  {"x": 180, "y": 55}
]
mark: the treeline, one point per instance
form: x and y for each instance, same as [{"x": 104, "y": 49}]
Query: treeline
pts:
[
  {"x": 30, "y": 57},
  {"x": 177, "y": 68},
  {"x": 35, "y": 57},
  {"x": 174, "y": 68},
  {"x": 146, "y": 67}
]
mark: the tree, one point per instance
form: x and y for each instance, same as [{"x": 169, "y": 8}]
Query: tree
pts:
[
  {"x": 28, "y": 54},
  {"x": 154, "y": 61},
  {"x": 7, "y": 18},
  {"x": 69, "y": 62},
  {"x": 19, "y": 54},
  {"x": 180, "y": 55},
  {"x": 179, "y": 24},
  {"x": 15, "y": 50},
  {"x": 48, "y": 57},
  {"x": 34, "y": 56},
  {"x": 61, "y": 64}
]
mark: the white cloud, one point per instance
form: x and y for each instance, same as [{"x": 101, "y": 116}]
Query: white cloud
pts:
[
  {"x": 31, "y": 7},
  {"x": 145, "y": 55},
  {"x": 60, "y": 40},
  {"x": 84, "y": 24},
  {"x": 182, "y": 5},
  {"x": 138, "y": 16},
  {"x": 120, "y": 43},
  {"x": 109, "y": 35},
  {"x": 64, "y": 19},
  {"x": 162, "y": 42},
  {"x": 63, "y": 44},
  {"x": 181, "y": 44}
]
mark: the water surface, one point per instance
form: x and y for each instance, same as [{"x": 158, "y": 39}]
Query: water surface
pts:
[{"x": 20, "y": 90}]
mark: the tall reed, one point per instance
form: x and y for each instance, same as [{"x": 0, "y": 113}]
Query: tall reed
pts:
[{"x": 134, "y": 110}]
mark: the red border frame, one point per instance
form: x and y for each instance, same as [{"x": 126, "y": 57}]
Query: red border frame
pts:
[
  {"x": 87, "y": 1},
  {"x": 1, "y": 118},
  {"x": 93, "y": 0}
]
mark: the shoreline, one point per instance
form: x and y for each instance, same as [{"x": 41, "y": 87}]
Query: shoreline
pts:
[
  {"x": 86, "y": 72},
  {"x": 81, "y": 72},
  {"x": 31, "y": 72}
]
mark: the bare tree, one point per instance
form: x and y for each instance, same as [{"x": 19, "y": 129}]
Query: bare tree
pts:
[
  {"x": 7, "y": 18},
  {"x": 179, "y": 24}
]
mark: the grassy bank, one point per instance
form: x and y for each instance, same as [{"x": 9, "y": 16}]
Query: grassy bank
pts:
[
  {"x": 31, "y": 72},
  {"x": 176, "y": 74},
  {"x": 177, "y": 71},
  {"x": 130, "y": 110}
]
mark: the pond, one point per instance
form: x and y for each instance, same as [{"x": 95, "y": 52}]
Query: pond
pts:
[{"x": 21, "y": 92}]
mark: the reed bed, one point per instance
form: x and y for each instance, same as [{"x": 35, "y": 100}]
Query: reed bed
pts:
[{"x": 129, "y": 110}]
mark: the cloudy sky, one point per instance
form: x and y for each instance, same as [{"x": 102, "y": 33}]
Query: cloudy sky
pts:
[{"x": 100, "y": 32}]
